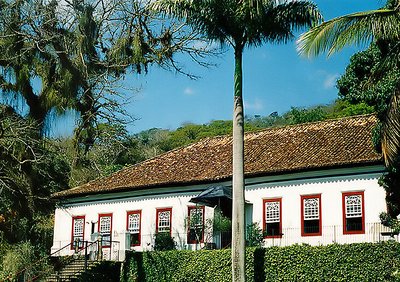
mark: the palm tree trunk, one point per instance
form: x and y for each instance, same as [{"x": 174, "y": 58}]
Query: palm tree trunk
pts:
[{"x": 238, "y": 228}]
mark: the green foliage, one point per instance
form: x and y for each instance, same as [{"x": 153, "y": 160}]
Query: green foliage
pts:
[
  {"x": 298, "y": 115},
  {"x": 23, "y": 262},
  {"x": 254, "y": 235},
  {"x": 196, "y": 266},
  {"x": 357, "y": 84},
  {"x": 221, "y": 222},
  {"x": 105, "y": 271},
  {"x": 390, "y": 181},
  {"x": 164, "y": 242},
  {"x": 352, "y": 262},
  {"x": 343, "y": 108},
  {"x": 31, "y": 170}
]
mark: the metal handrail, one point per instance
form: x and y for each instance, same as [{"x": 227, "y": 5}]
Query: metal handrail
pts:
[
  {"x": 87, "y": 245},
  {"x": 73, "y": 259},
  {"x": 85, "y": 256}
]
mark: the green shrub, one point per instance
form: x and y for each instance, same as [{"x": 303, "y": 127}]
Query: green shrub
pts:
[
  {"x": 105, "y": 271},
  {"x": 353, "y": 262},
  {"x": 254, "y": 235},
  {"x": 26, "y": 257},
  {"x": 185, "y": 265},
  {"x": 163, "y": 242}
]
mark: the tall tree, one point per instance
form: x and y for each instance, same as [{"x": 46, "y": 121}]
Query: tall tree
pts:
[
  {"x": 241, "y": 24},
  {"x": 30, "y": 171},
  {"x": 72, "y": 55},
  {"x": 381, "y": 26}
]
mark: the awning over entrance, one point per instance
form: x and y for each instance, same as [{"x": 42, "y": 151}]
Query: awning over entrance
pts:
[{"x": 213, "y": 195}]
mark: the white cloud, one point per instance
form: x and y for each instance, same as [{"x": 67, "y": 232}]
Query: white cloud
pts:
[
  {"x": 189, "y": 91},
  {"x": 256, "y": 105},
  {"x": 330, "y": 80},
  {"x": 205, "y": 45}
]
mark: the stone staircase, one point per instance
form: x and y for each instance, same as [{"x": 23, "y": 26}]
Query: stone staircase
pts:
[{"x": 70, "y": 271}]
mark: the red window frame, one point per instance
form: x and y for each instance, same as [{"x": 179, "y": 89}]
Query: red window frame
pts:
[
  {"x": 170, "y": 218},
  {"x": 344, "y": 194},
  {"x": 111, "y": 224},
  {"x": 128, "y": 213},
  {"x": 73, "y": 227},
  {"x": 188, "y": 231},
  {"x": 280, "y": 218},
  {"x": 302, "y": 198}
]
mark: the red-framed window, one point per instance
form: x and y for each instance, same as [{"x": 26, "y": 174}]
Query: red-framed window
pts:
[
  {"x": 133, "y": 226},
  {"x": 353, "y": 212},
  {"x": 164, "y": 220},
  {"x": 78, "y": 231},
  {"x": 311, "y": 219},
  {"x": 105, "y": 229},
  {"x": 272, "y": 218},
  {"x": 195, "y": 224}
]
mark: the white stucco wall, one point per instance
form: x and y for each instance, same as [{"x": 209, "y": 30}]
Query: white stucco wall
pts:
[
  {"x": 331, "y": 189},
  {"x": 289, "y": 188},
  {"x": 119, "y": 208}
]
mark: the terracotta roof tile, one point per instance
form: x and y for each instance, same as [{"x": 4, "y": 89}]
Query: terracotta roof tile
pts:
[{"x": 332, "y": 143}]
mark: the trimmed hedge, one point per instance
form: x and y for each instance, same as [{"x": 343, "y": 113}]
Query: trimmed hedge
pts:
[
  {"x": 353, "y": 262},
  {"x": 105, "y": 271}
]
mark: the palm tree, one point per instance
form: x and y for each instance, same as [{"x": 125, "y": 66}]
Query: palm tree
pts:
[
  {"x": 382, "y": 25},
  {"x": 241, "y": 24}
]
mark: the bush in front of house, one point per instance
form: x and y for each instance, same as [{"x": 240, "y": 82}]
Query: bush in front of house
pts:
[
  {"x": 184, "y": 265},
  {"x": 352, "y": 262},
  {"x": 105, "y": 271},
  {"x": 164, "y": 242}
]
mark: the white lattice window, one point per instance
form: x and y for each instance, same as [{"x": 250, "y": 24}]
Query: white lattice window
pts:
[
  {"x": 353, "y": 205},
  {"x": 105, "y": 228},
  {"x": 272, "y": 212},
  {"x": 133, "y": 227},
  {"x": 311, "y": 215},
  {"x": 105, "y": 224},
  {"x": 78, "y": 226},
  {"x": 164, "y": 220},
  {"x": 311, "y": 208},
  {"x": 272, "y": 217},
  {"x": 134, "y": 223}
]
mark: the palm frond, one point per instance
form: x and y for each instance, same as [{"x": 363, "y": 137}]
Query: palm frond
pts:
[
  {"x": 279, "y": 22},
  {"x": 358, "y": 28},
  {"x": 176, "y": 8},
  {"x": 216, "y": 19},
  {"x": 391, "y": 130}
]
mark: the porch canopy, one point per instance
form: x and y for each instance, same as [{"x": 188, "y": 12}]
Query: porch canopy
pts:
[{"x": 213, "y": 195}]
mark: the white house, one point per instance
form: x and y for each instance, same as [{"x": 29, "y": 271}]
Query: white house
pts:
[{"x": 314, "y": 183}]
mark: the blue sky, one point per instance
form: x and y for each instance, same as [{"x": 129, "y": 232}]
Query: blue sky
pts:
[{"x": 275, "y": 79}]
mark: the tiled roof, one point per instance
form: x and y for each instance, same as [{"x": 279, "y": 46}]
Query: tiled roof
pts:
[{"x": 326, "y": 144}]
